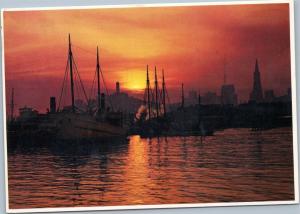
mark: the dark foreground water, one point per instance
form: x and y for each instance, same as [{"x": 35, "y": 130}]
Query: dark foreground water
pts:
[{"x": 235, "y": 165}]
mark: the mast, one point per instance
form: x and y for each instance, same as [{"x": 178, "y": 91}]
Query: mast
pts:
[
  {"x": 164, "y": 92},
  {"x": 98, "y": 82},
  {"x": 71, "y": 74},
  {"x": 148, "y": 94},
  {"x": 156, "y": 94},
  {"x": 12, "y": 105},
  {"x": 182, "y": 96}
]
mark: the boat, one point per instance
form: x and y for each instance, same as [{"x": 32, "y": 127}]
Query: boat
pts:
[
  {"x": 69, "y": 123},
  {"x": 155, "y": 121}
]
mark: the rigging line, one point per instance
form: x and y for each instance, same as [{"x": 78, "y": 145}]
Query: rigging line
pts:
[
  {"x": 83, "y": 49},
  {"x": 66, "y": 87},
  {"x": 76, "y": 69},
  {"x": 90, "y": 104},
  {"x": 109, "y": 100},
  {"x": 160, "y": 97},
  {"x": 169, "y": 102},
  {"x": 65, "y": 91},
  {"x": 92, "y": 88},
  {"x": 152, "y": 96},
  {"x": 63, "y": 84},
  {"x": 77, "y": 91}
]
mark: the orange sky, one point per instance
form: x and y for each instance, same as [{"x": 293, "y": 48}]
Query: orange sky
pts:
[{"x": 188, "y": 42}]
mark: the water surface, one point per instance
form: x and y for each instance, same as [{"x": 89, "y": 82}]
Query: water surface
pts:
[{"x": 234, "y": 165}]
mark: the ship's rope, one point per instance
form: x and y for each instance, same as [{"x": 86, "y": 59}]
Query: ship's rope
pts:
[
  {"x": 63, "y": 85},
  {"x": 101, "y": 73},
  {"x": 104, "y": 83},
  {"x": 81, "y": 83},
  {"x": 92, "y": 92}
]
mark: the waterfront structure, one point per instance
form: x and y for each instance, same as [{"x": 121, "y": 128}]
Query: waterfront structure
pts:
[
  {"x": 12, "y": 105},
  {"x": 269, "y": 96},
  {"x": 228, "y": 95},
  {"x": 123, "y": 102},
  {"x": 192, "y": 98},
  {"x": 211, "y": 98}
]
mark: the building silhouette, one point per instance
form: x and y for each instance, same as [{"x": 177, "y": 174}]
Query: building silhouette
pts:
[
  {"x": 269, "y": 96},
  {"x": 257, "y": 93},
  {"x": 228, "y": 95},
  {"x": 123, "y": 102},
  {"x": 211, "y": 98},
  {"x": 192, "y": 98}
]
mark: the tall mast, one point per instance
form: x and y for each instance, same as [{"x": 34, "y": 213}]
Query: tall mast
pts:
[
  {"x": 12, "y": 105},
  {"x": 71, "y": 73},
  {"x": 148, "y": 94},
  {"x": 156, "y": 94},
  {"x": 98, "y": 81},
  {"x": 182, "y": 96},
  {"x": 164, "y": 92}
]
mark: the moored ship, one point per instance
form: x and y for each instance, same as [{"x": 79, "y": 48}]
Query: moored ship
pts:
[{"x": 69, "y": 123}]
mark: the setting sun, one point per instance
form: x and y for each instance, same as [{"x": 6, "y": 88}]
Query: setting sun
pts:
[{"x": 135, "y": 80}]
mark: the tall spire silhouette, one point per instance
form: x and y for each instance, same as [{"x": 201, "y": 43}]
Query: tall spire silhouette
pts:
[{"x": 256, "y": 94}]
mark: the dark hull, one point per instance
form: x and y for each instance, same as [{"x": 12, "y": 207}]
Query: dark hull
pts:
[{"x": 64, "y": 127}]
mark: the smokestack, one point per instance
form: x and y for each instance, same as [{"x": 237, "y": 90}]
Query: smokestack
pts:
[
  {"x": 117, "y": 87},
  {"x": 52, "y": 105},
  {"x": 103, "y": 101}
]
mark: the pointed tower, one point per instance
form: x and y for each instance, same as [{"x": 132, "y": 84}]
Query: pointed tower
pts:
[{"x": 256, "y": 94}]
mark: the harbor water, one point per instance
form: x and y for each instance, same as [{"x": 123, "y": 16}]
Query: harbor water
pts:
[{"x": 234, "y": 165}]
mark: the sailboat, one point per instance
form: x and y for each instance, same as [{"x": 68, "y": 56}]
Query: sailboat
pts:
[{"x": 71, "y": 123}]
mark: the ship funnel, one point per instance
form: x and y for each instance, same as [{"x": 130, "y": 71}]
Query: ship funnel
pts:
[
  {"x": 118, "y": 87},
  {"x": 52, "y": 105}
]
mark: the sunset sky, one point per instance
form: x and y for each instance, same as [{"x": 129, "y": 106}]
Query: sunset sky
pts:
[{"x": 189, "y": 43}]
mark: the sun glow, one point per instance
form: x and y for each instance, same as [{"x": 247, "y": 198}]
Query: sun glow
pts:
[
  {"x": 134, "y": 80},
  {"x": 190, "y": 50}
]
